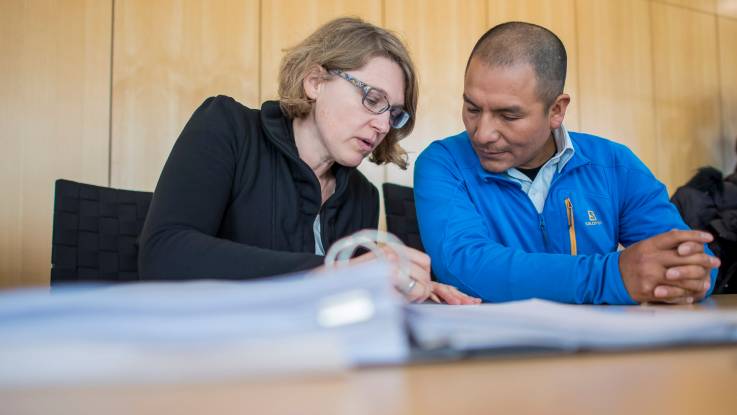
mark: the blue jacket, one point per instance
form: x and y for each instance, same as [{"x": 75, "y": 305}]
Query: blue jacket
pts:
[{"x": 486, "y": 238}]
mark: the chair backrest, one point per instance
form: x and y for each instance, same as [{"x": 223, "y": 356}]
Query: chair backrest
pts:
[
  {"x": 95, "y": 234},
  {"x": 401, "y": 217}
]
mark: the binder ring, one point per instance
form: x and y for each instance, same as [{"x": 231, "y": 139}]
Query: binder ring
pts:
[{"x": 342, "y": 250}]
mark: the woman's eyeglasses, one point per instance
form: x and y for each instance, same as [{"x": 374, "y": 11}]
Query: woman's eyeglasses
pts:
[{"x": 376, "y": 101}]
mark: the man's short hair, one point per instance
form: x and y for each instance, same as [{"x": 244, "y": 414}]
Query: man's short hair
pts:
[{"x": 513, "y": 43}]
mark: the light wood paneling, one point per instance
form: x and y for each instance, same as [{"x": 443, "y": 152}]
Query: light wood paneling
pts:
[
  {"x": 616, "y": 86},
  {"x": 686, "y": 83},
  {"x": 560, "y": 17},
  {"x": 285, "y": 23},
  {"x": 707, "y": 6},
  {"x": 169, "y": 55},
  {"x": 54, "y": 119},
  {"x": 728, "y": 75},
  {"x": 665, "y": 87},
  {"x": 727, "y": 8},
  {"x": 440, "y": 36}
]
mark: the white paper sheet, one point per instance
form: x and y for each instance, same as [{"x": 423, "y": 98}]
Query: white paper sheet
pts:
[{"x": 544, "y": 324}]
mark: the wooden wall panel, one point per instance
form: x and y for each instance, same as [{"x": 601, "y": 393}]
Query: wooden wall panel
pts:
[
  {"x": 560, "y": 17},
  {"x": 728, "y": 75},
  {"x": 707, "y": 6},
  {"x": 666, "y": 86},
  {"x": 616, "y": 86},
  {"x": 170, "y": 55},
  {"x": 440, "y": 36},
  {"x": 54, "y": 119},
  {"x": 686, "y": 80},
  {"x": 727, "y": 8},
  {"x": 285, "y": 23}
]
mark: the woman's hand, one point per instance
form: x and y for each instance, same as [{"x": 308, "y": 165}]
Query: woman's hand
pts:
[
  {"x": 423, "y": 288},
  {"x": 451, "y": 295},
  {"x": 419, "y": 270}
]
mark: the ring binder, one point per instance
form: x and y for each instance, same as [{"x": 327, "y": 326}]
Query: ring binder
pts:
[{"x": 342, "y": 250}]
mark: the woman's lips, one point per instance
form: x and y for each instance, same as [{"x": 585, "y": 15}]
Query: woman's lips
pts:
[{"x": 365, "y": 144}]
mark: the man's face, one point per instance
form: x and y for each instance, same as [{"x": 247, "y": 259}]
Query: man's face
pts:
[{"x": 508, "y": 124}]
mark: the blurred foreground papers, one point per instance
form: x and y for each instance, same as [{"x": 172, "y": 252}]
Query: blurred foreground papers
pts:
[
  {"x": 544, "y": 325},
  {"x": 193, "y": 331},
  {"x": 309, "y": 323}
]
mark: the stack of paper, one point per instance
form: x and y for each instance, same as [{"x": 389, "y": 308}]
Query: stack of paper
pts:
[
  {"x": 538, "y": 324},
  {"x": 150, "y": 332},
  {"x": 195, "y": 331}
]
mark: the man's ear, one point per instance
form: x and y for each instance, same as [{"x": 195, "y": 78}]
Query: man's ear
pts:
[
  {"x": 313, "y": 81},
  {"x": 557, "y": 111}
]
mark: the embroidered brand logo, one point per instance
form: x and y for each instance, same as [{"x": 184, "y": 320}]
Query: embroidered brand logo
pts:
[{"x": 592, "y": 219}]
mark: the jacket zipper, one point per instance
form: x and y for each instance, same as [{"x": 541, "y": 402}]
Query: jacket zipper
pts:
[
  {"x": 544, "y": 233},
  {"x": 571, "y": 226}
]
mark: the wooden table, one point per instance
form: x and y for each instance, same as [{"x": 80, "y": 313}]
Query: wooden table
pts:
[{"x": 700, "y": 380}]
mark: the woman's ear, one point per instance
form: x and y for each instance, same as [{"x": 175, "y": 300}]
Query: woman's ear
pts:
[{"x": 313, "y": 81}]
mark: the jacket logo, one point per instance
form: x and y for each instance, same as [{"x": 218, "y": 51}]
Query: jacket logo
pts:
[{"x": 593, "y": 221}]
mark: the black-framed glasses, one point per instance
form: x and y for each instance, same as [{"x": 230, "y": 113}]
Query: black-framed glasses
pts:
[{"x": 376, "y": 101}]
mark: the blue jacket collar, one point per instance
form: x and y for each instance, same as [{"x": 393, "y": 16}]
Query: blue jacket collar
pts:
[{"x": 578, "y": 159}]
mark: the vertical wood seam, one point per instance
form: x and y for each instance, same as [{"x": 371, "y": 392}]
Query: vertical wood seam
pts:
[
  {"x": 656, "y": 112},
  {"x": 110, "y": 99},
  {"x": 722, "y": 119},
  {"x": 259, "y": 71},
  {"x": 683, "y": 6},
  {"x": 579, "y": 116}
]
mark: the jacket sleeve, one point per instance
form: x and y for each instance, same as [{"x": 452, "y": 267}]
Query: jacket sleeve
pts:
[
  {"x": 177, "y": 241},
  {"x": 465, "y": 254},
  {"x": 645, "y": 210}
]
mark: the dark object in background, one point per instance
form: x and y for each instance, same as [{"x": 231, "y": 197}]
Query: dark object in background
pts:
[
  {"x": 709, "y": 202},
  {"x": 401, "y": 216},
  {"x": 95, "y": 237}
]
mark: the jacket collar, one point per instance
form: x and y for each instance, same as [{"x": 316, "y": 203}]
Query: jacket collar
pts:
[
  {"x": 577, "y": 159},
  {"x": 278, "y": 129}
]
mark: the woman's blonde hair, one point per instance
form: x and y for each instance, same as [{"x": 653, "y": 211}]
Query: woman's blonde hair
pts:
[{"x": 348, "y": 43}]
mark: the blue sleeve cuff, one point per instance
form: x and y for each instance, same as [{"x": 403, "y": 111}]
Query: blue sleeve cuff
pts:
[{"x": 614, "y": 277}]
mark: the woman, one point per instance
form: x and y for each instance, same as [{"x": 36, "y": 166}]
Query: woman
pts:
[{"x": 251, "y": 193}]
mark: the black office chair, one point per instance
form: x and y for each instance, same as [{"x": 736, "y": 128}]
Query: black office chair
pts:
[
  {"x": 401, "y": 217},
  {"x": 95, "y": 234}
]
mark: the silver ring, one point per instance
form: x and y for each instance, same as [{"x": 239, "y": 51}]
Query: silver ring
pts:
[{"x": 410, "y": 286}]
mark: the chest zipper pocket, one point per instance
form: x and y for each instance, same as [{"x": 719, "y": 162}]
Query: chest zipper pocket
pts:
[{"x": 571, "y": 226}]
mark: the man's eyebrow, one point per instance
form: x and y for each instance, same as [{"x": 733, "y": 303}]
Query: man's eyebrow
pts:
[
  {"x": 513, "y": 109},
  {"x": 465, "y": 98}
]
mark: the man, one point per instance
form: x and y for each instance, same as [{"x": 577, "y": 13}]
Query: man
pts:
[{"x": 517, "y": 207}]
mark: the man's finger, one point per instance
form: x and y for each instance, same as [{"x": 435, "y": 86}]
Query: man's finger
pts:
[
  {"x": 690, "y": 248},
  {"x": 667, "y": 292},
  {"x": 671, "y": 259},
  {"x": 693, "y": 285},
  {"x": 687, "y": 272},
  {"x": 680, "y": 300},
  {"x": 671, "y": 239}
]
